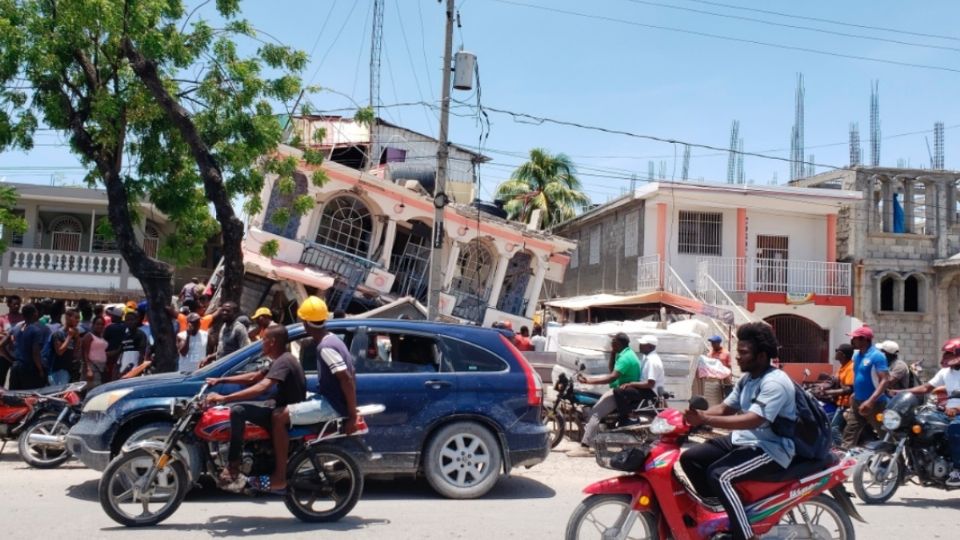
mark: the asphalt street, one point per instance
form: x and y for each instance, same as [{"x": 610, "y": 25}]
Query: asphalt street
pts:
[{"x": 534, "y": 503}]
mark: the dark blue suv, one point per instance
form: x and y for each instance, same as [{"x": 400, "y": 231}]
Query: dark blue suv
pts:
[{"x": 461, "y": 402}]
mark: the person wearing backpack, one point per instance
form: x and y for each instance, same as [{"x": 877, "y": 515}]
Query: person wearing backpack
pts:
[{"x": 753, "y": 449}]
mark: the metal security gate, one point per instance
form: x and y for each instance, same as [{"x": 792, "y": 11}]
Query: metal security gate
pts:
[
  {"x": 801, "y": 340},
  {"x": 411, "y": 268},
  {"x": 772, "y": 255}
]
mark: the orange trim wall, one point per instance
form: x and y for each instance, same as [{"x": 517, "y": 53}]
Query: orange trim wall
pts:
[
  {"x": 741, "y": 247},
  {"x": 754, "y": 298},
  {"x": 831, "y": 238}
]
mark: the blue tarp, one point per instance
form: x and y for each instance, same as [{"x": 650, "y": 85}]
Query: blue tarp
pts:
[{"x": 898, "y": 225}]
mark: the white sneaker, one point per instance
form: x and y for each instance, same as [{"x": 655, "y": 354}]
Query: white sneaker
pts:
[{"x": 954, "y": 479}]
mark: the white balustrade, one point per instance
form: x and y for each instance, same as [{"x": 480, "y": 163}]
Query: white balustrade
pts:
[
  {"x": 752, "y": 274},
  {"x": 65, "y": 261}
]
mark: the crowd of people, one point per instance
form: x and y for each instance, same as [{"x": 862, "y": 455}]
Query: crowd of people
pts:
[{"x": 49, "y": 342}]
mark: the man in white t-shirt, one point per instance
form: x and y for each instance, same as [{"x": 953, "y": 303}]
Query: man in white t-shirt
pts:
[
  {"x": 537, "y": 340},
  {"x": 192, "y": 345},
  {"x": 949, "y": 377},
  {"x": 629, "y": 395}
]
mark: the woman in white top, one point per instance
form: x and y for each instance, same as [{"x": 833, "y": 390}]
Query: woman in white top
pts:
[{"x": 192, "y": 345}]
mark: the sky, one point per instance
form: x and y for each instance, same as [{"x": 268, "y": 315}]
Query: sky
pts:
[{"x": 673, "y": 69}]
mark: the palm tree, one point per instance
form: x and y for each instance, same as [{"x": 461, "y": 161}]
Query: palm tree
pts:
[{"x": 547, "y": 182}]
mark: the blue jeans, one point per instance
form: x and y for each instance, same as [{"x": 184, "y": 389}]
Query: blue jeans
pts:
[
  {"x": 837, "y": 423},
  {"x": 953, "y": 435},
  {"x": 59, "y": 377}
]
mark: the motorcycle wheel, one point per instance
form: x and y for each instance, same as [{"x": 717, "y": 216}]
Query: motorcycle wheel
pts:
[
  {"x": 125, "y": 501},
  {"x": 43, "y": 456},
  {"x": 604, "y": 516},
  {"x": 817, "y": 509},
  {"x": 324, "y": 484},
  {"x": 557, "y": 424},
  {"x": 865, "y": 477}
]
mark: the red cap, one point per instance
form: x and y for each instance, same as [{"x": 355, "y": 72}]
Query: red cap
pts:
[{"x": 862, "y": 332}]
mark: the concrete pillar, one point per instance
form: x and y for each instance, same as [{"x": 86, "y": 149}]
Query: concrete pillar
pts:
[
  {"x": 908, "y": 205},
  {"x": 886, "y": 193},
  {"x": 533, "y": 287},
  {"x": 388, "y": 239},
  {"x": 502, "y": 262},
  {"x": 831, "y": 238},
  {"x": 32, "y": 215},
  {"x": 741, "y": 249},
  {"x": 662, "y": 237},
  {"x": 950, "y": 186},
  {"x": 930, "y": 201},
  {"x": 452, "y": 264}
]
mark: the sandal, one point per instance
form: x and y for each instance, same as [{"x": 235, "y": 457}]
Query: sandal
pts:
[{"x": 261, "y": 484}]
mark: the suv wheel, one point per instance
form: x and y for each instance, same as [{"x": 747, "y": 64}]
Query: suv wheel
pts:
[{"x": 462, "y": 461}]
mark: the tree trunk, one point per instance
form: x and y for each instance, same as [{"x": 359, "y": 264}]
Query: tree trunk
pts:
[{"x": 231, "y": 228}]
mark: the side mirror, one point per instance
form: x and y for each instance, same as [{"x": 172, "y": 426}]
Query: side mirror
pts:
[
  {"x": 583, "y": 367},
  {"x": 699, "y": 403},
  {"x": 955, "y": 394}
]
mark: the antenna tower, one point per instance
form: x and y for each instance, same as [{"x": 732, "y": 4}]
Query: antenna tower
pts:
[
  {"x": 376, "y": 50},
  {"x": 740, "y": 175},
  {"x": 811, "y": 170},
  {"x": 938, "y": 146},
  {"x": 651, "y": 174},
  {"x": 856, "y": 152},
  {"x": 685, "y": 172},
  {"x": 732, "y": 159},
  {"x": 796, "y": 134},
  {"x": 875, "y": 123},
  {"x": 663, "y": 169}
]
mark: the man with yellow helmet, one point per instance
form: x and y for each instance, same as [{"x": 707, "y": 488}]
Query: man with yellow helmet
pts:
[{"x": 336, "y": 383}]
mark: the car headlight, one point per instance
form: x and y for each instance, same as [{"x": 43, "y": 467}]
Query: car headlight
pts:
[
  {"x": 891, "y": 420},
  {"x": 103, "y": 401},
  {"x": 660, "y": 426}
]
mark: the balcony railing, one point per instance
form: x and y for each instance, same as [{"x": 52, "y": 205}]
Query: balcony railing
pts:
[
  {"x": 65, "y": 261},
  {"x": 351, "y": 270},
  {"x": 470, "y": 304},
  {"x": 649, "y": 273},
  {"x": 753, "y": 274}
]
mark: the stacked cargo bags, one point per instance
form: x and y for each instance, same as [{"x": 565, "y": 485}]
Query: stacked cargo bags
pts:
[{"x": 679, "y": 345}]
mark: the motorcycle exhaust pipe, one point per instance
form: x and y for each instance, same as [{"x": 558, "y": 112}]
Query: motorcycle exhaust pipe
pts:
[{"x": 46, "y": 440}]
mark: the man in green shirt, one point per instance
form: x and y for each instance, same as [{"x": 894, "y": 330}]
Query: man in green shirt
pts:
[{"x": 626, "y": 369}]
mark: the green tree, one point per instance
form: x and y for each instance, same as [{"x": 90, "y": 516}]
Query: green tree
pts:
[
  {"x": 547, "y": 182},
  {"x": 162, "y": 106}
]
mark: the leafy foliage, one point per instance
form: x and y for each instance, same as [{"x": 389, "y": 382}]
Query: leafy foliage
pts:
[
  {"x": 10, "y": 221},
  {"x": 270, "y": 248},
  {"x": 546, "y": 182}
]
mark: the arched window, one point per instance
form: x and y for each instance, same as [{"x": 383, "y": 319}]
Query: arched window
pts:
[
  {"x": 151, "y": 240},
  {"x": 914, "y": 293},
  {"x": 888, "y": 293},
  {"x": 66, "y": 232},
  {"x": 475, "y": 264},
  {"x": 346, "y": 224}
]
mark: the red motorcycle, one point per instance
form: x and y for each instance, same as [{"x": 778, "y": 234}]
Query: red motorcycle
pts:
[
  {"x": 146, "y": 483},
  {"x": 653, "y": 502},
  {"x": 39, "y": 420}
]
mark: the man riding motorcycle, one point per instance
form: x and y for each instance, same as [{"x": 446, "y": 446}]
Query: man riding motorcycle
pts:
[
  {"x": 624, "y": 368},
  {"x": 948, "y": 376},
  {"x": 284, "y": 373},
  {"x": 753, "y": 450}
]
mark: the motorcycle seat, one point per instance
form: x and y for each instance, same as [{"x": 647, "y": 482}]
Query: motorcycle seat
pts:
[{"x": 801, "y": 468}]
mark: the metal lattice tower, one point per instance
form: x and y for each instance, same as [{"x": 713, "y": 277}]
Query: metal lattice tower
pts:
[
  {"x": 663, "y": 169},
  {"x": 875, "y": 123},
  {"x": 376, "y": 50},
  {"x": 774, "y": 181},
  {"x": 811, "y": 169},
  {"x": 856, "y": 152},
  {"x": 651, "y": 171},
  {"x": 796, "y": 134},
  {"x": 740, "y": 174},
  {"x": 938, "y": 146},
  {"x": 685, "y": 171},
  {"x": 732, "y": 159}
]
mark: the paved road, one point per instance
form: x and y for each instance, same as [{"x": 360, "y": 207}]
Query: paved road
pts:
[{"x": 532, "y": 503}]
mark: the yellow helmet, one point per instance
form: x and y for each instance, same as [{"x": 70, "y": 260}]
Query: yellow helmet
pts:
[{"x": 313, "y": 310}]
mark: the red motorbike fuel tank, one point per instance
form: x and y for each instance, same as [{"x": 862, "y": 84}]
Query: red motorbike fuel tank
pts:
[{"x": 214, "y": 425}]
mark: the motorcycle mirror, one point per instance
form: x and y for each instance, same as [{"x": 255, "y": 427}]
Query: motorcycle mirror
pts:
[
  {"x": 699, "y": 403},
  {"x": 583, "y": 367},
  {"x": 955, "y": 394}
]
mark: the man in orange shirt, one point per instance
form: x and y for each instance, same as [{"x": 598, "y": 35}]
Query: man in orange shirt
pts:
[
  {"x": 842, "y": 390},
  {"x": 717, "y": 351}
]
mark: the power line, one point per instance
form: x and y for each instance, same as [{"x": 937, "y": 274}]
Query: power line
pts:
[
  {"x": 829, "y": 21},
  {"x": 729, "y": 38},
  {"x": 795, "y": 26}
]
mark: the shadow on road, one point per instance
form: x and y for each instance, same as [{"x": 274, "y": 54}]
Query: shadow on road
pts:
[
  {"x": 230, "y": 526},
  {"x": 920, "y": 502},
  {"x": 514, "y": 487}
]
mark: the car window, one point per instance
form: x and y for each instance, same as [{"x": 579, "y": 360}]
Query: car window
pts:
[
  {"x": 464, "y": 357},
  {"x": 396, "y": 352},
  {"x": 306, "y": 349}
]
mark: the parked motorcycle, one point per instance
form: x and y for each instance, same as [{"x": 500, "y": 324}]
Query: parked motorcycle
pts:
[
  {"x": 146, "y": 483},
  {"x": 914, "y": 445},
  {"x": 572, "y": 408},
  {"x": 39, "y": 420},
  {"x": 806, "y": 501}
]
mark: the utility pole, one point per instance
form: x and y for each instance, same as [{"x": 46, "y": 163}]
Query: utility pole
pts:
[{"x": 438, "y": 257}]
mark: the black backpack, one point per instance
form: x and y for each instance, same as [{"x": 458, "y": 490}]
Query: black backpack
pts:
[{"x": 810, "y": 432}]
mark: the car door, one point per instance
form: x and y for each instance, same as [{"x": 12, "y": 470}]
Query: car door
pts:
[
  {"x": 487, "y": 385},
  {"x": 402, "y": 370}
]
